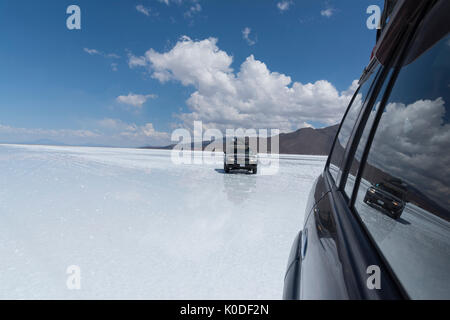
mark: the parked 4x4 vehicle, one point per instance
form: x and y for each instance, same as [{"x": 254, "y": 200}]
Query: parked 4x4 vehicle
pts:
[
  {"x": 240, "y": 155},
  {"x": 392, "y": 144}
]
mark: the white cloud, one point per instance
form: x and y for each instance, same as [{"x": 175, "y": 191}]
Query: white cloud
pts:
[
  {"x": 246, "y": 36},
  {"x": 104, "y": 55},
  {"x": 178, "y": 2},
  {"x": 132, "y": 132},
  {"x": 91, "y": 51},
  {"x": 284, "y": 5},
  {"x": 146, "y": 10},
  {"x": 134, "y": 61},
  {"x": 135, "y": 100},
  {"x": 109, "y": 132},
  {"x": 327, "y": 12},
  {"x": 10, "y": 134},
  {"x": 140, "y": 8},
  {"x": 195, "y": 8},
  {"x": 147, "y": 130},
  {"x": 109, "y": 123},
  {"x": 100, "y": 53},
  {"x": 112, "y": 55},
  {"x": 253, "y": 97}
]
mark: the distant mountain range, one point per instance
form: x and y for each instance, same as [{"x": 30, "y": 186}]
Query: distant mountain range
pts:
[
  {"x": 308, "y": 141},
  {"x": 303, "y": 141}
]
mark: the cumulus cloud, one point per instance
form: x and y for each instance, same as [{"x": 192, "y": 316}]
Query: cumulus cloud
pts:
[
  {"x": 246, "y": 36},
  {"x": 135, "y": 100},
  {"x": 134, "y": 61},
  {"x": 415, "y": 138},
  {"x": 284, "y": 5},
  {"x": 253, "y": 97},
  {"x": 139, "y": 135},
  {"x": 327, "y": 12}
]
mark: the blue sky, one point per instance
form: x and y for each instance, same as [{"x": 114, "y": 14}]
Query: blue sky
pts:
[{"x": 138, "y": 69}]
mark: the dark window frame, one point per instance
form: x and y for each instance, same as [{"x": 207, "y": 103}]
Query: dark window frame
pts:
[{"x": 374, "y": 66}]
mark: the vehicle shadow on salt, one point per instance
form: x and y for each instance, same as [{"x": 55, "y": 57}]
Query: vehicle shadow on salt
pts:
[
  {"x": 236, "y": 171},
  {"x": 403, "y": 221}
]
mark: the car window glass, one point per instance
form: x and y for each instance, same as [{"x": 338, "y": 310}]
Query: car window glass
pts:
[
  {"x": 349, "y": 184},
  {"x": 348, "y": 124},
  {"x": 404, "y": 193}
]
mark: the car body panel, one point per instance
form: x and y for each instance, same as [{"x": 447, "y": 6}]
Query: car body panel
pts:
[{"x": 321, "y": 256}]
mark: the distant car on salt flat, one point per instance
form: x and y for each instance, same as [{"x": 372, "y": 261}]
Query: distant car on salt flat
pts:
[{"x": 240, "y": 155}]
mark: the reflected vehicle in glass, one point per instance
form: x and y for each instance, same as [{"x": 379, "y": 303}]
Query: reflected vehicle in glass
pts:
[
  {"x": 389, "y": 197},
  {"x": 241, "y": 155}
]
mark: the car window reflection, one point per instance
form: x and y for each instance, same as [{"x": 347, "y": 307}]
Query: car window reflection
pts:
[
  {"x": 348, "y": 124},
  {"x": 404, "y": 193}
]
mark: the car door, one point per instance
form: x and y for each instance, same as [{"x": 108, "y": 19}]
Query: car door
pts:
[
  {"x": 327, "y": 267},
  {"x": 322, "y": 274}
]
